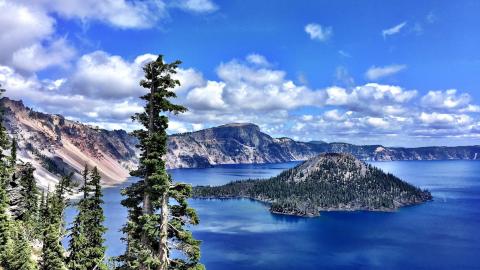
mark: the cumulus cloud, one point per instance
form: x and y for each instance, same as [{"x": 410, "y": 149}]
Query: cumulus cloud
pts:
[
  {"x": 38, "y": 56},
  {"x": 28, "y": 41},
  {"x": 117, "y": 13},
  {"x": 318, "y": 32},
  {"x": 393, "y": 30},
  {"x": 372, "y": 97},
  {"x": 444, "y": 120},
  {"x": 259, "y": 88},
  {"x": 208, "y": 97},
  {"x": 374, "y": 73},
  {"x": 100, "y": 75},
  {"x": 449, "y": 100}
]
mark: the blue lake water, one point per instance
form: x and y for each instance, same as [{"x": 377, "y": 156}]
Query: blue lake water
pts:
[{"x": 243, "y": 234}]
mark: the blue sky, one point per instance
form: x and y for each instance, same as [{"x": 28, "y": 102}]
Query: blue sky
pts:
[{"x": 401, "y": 73}]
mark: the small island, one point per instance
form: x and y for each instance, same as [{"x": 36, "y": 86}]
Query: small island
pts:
[{"x": 327, "y": 182}]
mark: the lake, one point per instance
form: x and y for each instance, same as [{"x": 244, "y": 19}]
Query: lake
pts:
[{"x": 243, "y": 234}]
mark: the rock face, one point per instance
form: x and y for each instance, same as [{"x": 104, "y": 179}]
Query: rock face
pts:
[
  {"x": 245, "y": 143},
  {"x": 327, "y": 182},
  {"x": 55, "y": 145},
  {"x": 232, "y": 144}
]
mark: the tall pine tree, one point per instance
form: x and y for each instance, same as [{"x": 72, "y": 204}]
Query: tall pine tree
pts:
[
  {"x": 78, "y": 253},
  {"x": 5, "y": 226},
  {"x": 155, "y": 227},
  {"x": 86, "y": 238},
  {"x": 22, "y": 249},
  {"x": 95, "y": 228},
  {"x": 29, "y": 196},
  {"x": 53, "y": 254}
]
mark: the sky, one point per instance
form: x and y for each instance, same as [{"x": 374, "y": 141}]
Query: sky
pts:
[{"x": 397, "y": 73}]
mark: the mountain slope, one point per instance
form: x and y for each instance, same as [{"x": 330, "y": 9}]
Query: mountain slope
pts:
[
  {"x": 56, "y": 145},
  {"x": 328, "y": 181}
]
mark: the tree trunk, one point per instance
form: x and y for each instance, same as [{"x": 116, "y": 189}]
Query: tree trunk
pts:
[{"x": 163, "y": 244}]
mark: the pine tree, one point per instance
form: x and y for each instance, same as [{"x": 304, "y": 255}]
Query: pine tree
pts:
[
  {"x": 95, "y": 227},
  {"x": 22, "y": 250},
  {"x": 78, "y": 252},
  {"x": 13, "y": 155},
  {"x": 29, "y": 197},
  {"x": 154, "y": 227},
  {"x": 86, "y": 238},
  {"x": 52, "y": 250},
  {"x": 5, "y": 226}
]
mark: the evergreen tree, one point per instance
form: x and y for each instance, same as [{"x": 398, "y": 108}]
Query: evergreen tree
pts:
[
  {"x": 155, "y": 227},
  {"x": 86, "y": 238},
  {"x": 5, "y": 228},
  {"x": 78, "y": 252},
  {"x": 95, "y": 227},
  {"x": 13, "y": 155},
  {"x": 29, "y": 196},
  {"x": 52, "y": 250},
  {"x": 22, "y": 250}
]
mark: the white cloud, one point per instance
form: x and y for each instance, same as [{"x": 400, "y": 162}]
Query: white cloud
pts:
[
  {"x": 449, "y": 100},
  {"x": 118, "y": 13},
  {"x": 258, "y": 88},
  {"x": 393, "y": 30},
  {"x": 377, "y": 122},
  {"x": 333, "y": 115},
  {"x": 208, "y": 97},
  {"x": 444, "y": 120},
  {"x": 375, "y": 73},
  {"x": 257, "y": 59},
  {"x": 100, "y": 75},
  {"x": 319, "y": 32},
  {"x": 23, "y": 34},
  {"x": 28, "y": 27},
  {"x": 198, "y": 6},
  {"x": 38, "y": 57},
  {"x": 372, "y": 97}
]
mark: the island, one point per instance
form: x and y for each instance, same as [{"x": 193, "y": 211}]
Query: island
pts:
[{"x": 327, "y": 182}]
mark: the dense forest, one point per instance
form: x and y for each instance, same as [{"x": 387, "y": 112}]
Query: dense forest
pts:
[{"x": 326, "y": 182}]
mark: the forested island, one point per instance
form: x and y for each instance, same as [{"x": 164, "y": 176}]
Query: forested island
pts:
[{"x": 327, "y": 182}]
